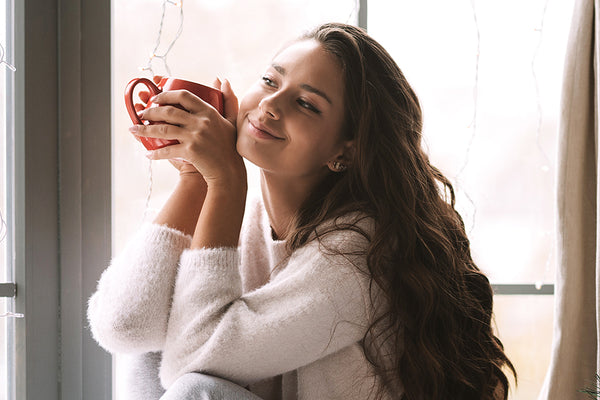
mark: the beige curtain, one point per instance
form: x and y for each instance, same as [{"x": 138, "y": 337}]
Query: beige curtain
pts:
[{"x": 576, "y": 356}]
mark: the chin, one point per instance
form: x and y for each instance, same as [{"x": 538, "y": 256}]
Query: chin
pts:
[{"x": 245, "y": 147}]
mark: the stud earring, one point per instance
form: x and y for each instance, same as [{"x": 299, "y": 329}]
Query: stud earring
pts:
[{"x": 338, "y": 166}]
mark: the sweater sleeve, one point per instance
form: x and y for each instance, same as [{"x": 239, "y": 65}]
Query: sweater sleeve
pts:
[
  {"x": 128, "y": 313},
  {"x": 314, "y": 307}
]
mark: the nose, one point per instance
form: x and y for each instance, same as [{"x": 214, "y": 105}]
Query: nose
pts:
[{"x": 270, "y": 107}]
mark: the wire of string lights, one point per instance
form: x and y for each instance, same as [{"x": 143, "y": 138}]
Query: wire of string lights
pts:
[
  {"x": 12, "y": 315},
  {"x": 3, "y": 61},
  {"x": 155, "y": 55},
  {"x": 538, "y": 134},
  {"x": 473, "y": 125},
  {"x": 3, "y": 225},
  {"x": 353, "y": 16},
  {"x": 540, "y": 114}
]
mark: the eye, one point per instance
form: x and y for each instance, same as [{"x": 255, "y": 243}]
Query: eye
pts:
[
  {"x": 268, "y": 81},
  {"x": 303, "y": 103}
]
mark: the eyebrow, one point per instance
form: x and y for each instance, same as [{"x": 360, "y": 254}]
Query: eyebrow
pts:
[{"x": 304, "y": 86}]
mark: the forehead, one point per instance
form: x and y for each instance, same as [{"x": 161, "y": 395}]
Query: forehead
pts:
[{"x": 309, "y": 62}]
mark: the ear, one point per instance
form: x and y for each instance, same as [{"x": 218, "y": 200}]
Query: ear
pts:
[{"x": 344, "y": 157}]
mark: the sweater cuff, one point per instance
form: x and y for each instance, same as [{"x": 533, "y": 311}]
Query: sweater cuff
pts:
[
  {"x": 159, "y": 235},
  {"x": 220, "y": 264}
]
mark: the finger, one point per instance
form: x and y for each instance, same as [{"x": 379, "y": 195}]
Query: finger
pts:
[
  {"x": 167, "y": 113},
  {"x": 159, "y": 131},
  {"x": 183, "y": 98},
  {"x": 165, "y": 153},
  {"x": 217, "y": 83},
  {"x": 231, "y": 105}
]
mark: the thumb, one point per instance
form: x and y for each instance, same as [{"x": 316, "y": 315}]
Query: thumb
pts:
[{"x": 230, "y": 106}]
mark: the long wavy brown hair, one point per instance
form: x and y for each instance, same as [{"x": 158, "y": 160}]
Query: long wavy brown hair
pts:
[{"x": 437, "y": 317}]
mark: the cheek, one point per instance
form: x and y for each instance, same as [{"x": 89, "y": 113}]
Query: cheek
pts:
[
  {"x": 245, "y": 106},
  {"x": 322, "y": 138}
]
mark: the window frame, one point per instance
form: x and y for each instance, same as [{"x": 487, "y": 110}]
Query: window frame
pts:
[{"x": 60, "y": 187}]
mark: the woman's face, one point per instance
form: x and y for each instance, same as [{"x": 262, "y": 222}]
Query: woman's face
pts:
[{"x": 290, "y": 121}]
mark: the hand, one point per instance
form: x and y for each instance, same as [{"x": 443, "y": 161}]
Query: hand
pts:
[
  {"x": 206, "y": 139},
  {"x": 184, "y": 167}
]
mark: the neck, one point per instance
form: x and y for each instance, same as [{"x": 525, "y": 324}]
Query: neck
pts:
[{"x": 283, "y": 196}]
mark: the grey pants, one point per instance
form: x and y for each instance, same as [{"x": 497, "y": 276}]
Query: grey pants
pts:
[
  {"x": 194, "y": 386},
  {"x": 143, "y": 384}
]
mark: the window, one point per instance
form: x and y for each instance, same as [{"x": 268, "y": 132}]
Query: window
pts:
[
  {"x": 489, "y": 76},
  {"x": 435, "y": 44},
  {"x": 231, "y": 39}
]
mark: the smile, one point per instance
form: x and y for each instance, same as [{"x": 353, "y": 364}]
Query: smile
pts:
[{"x": 259, "y": 131}]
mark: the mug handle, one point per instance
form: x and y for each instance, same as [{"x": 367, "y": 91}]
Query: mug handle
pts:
[{"x": 129, "y": 96}]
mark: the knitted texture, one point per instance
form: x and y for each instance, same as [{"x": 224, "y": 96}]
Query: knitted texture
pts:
[{"x": 287, "y": 326}]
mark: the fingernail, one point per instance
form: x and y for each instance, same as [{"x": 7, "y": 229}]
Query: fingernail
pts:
[
  {"x": 153, "y": 99},
  {"x": 133, "y": 128}
]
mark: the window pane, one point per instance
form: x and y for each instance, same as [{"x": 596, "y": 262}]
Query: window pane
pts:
[
  {"x": 228, "y": 38},
  {"x": 528, "y": 347},
  {"x": 502, "y": 166}
]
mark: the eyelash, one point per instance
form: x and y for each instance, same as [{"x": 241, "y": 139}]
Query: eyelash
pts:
[
  {"x": 308, "y": 106},
  {"x": 303, "y": 103},
  {"x": 267, "y": 81}
]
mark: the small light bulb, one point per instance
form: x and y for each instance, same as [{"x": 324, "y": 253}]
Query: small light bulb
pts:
[{"x": 538, "y": 285}]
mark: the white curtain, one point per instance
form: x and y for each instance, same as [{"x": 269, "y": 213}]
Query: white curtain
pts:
[{"x": 575, "y": 354}]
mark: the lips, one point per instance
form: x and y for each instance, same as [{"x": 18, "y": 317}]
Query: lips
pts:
[{"x": 261, "y": 130}]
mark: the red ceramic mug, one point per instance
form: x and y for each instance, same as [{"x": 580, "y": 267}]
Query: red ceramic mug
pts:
[{"x": 212, "y": 96}]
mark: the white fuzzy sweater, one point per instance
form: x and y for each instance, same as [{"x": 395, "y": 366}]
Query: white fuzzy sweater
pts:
[{"x": 291, "y": 332}]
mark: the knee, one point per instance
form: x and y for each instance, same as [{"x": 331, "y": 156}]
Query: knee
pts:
[
  {"x": 191, "y": 386},
  {"x": 196, "y": 386}
]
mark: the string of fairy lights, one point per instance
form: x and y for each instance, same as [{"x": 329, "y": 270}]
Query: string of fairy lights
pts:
[
  {"x": 149, "y": 68},
  {"x": 156, "y": 55},
  {"x": 473, "y": 124},
  {"x": 162, "y": 56},
  {"x": 545, "y": 167},
  {"x": 3, "y": 225}
]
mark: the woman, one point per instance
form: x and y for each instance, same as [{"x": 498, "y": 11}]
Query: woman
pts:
[{"x": 351, "y": 278}]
